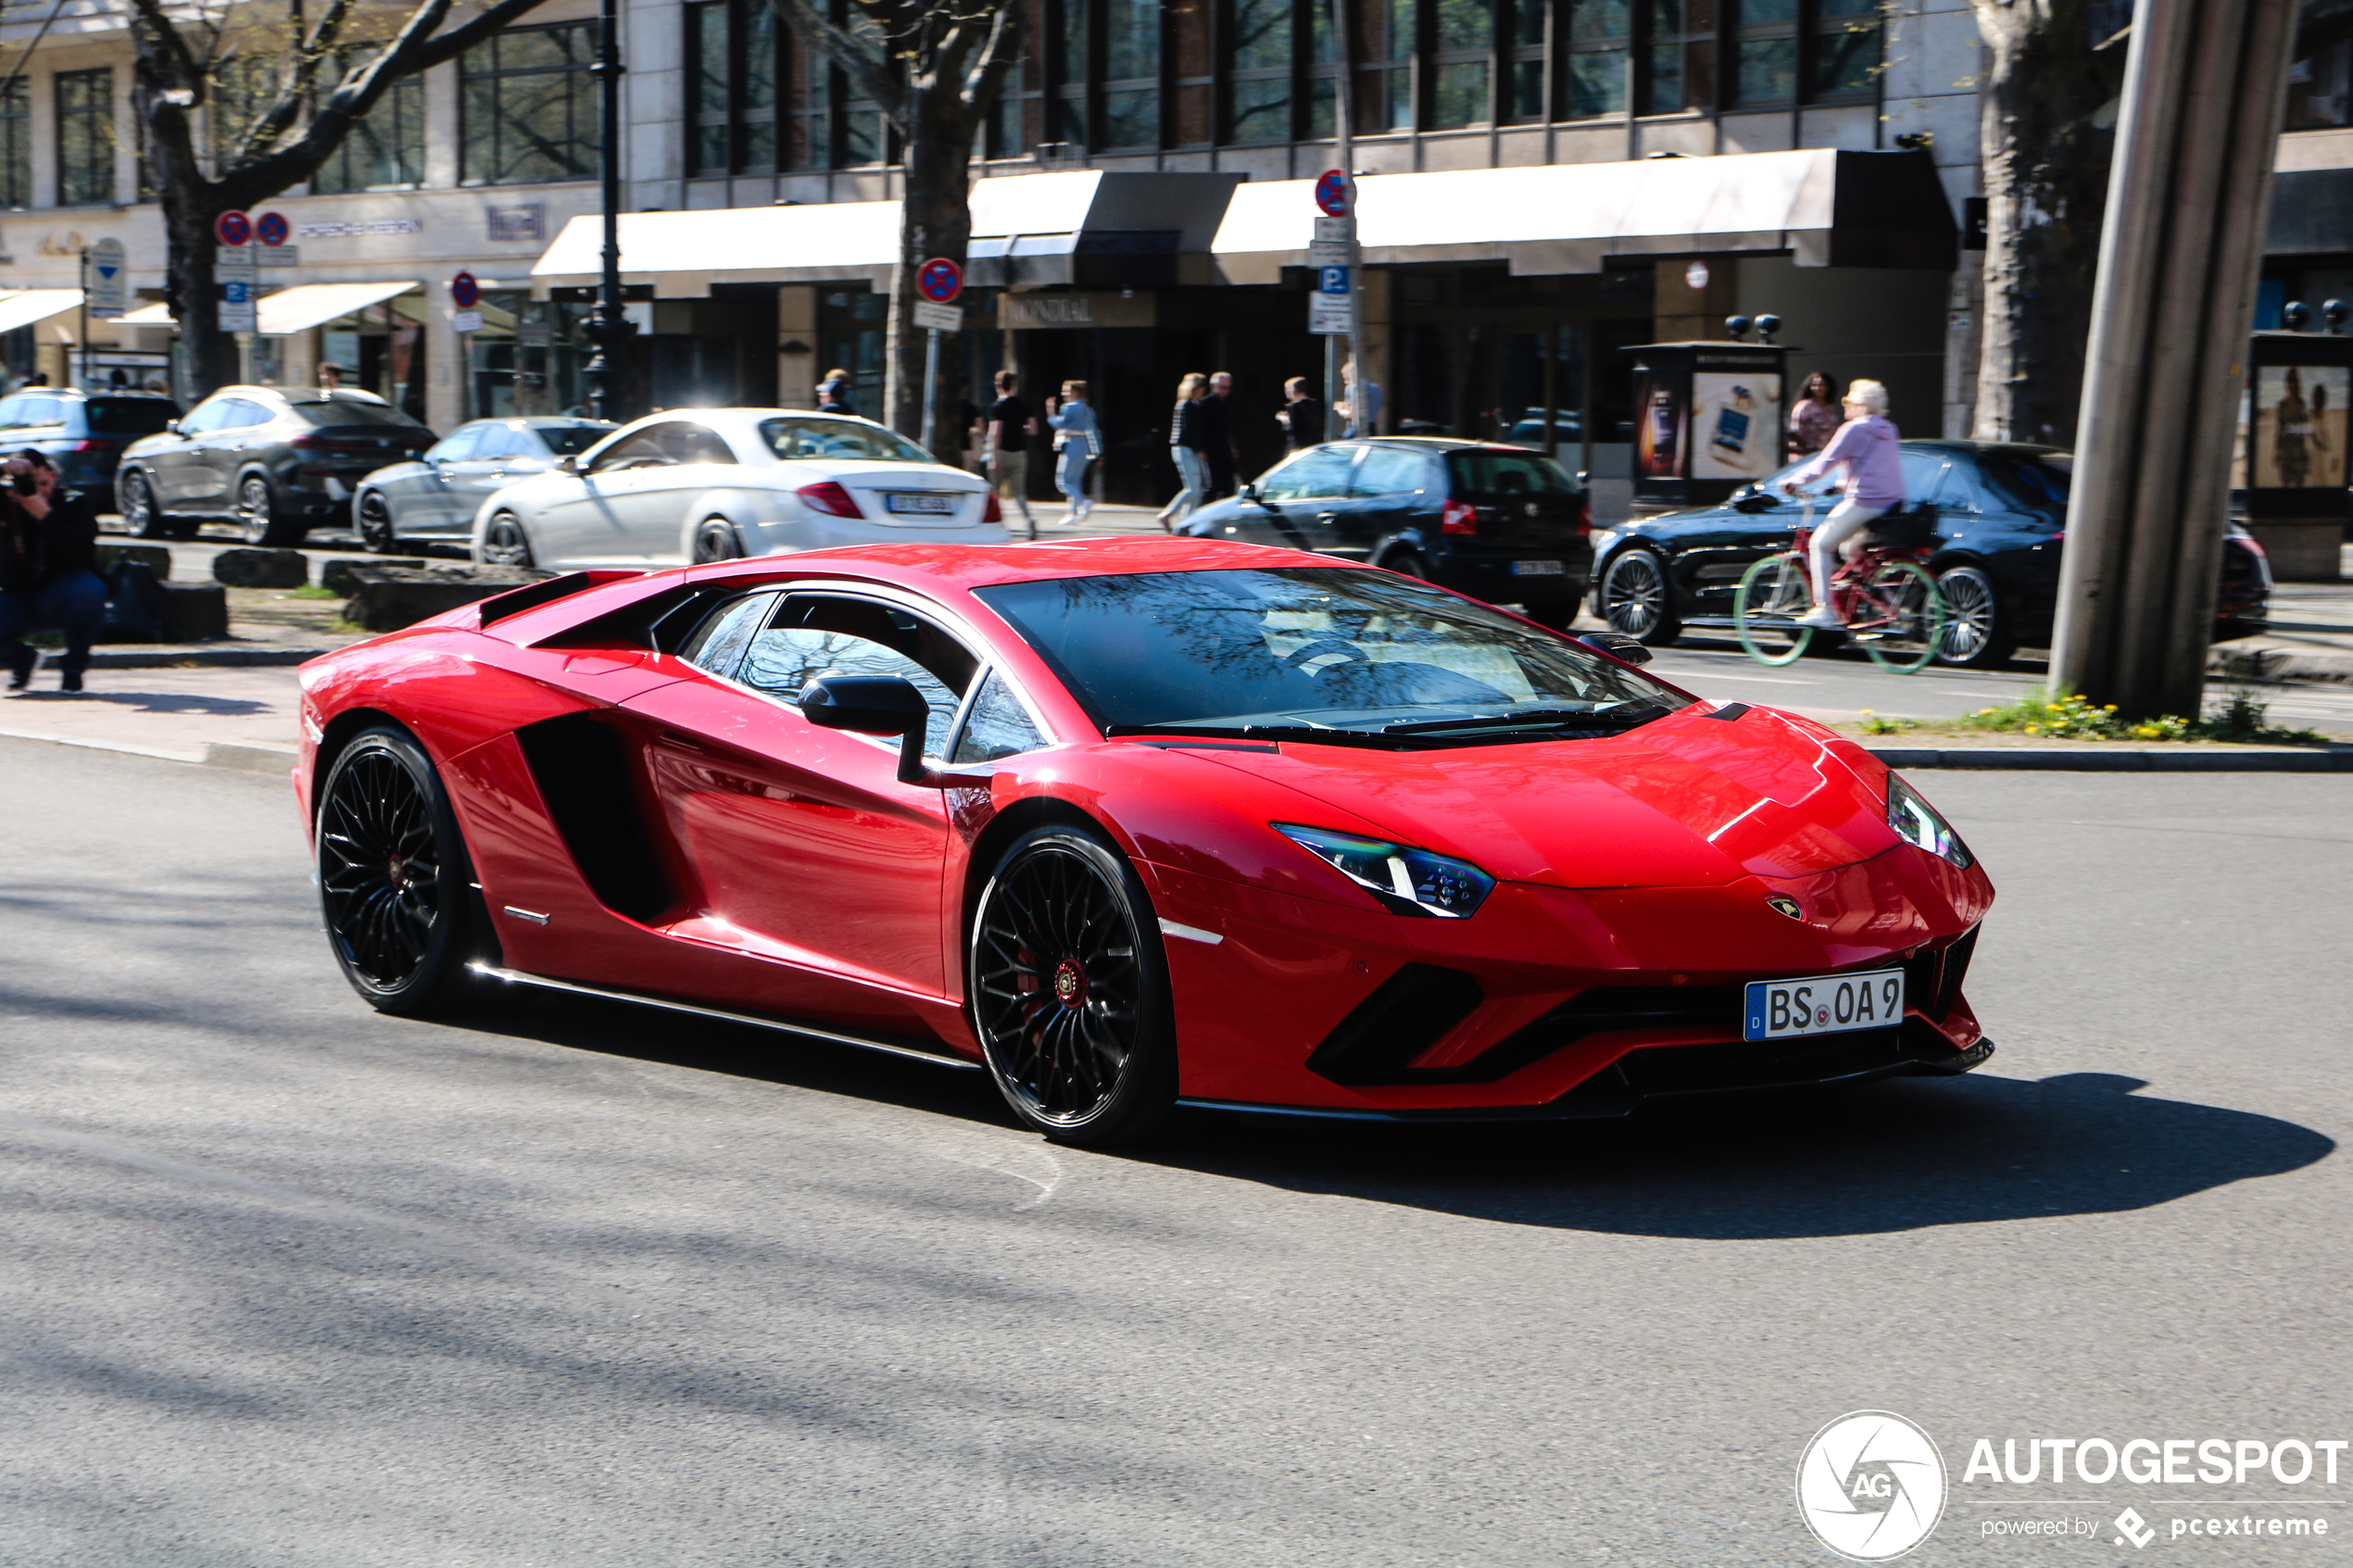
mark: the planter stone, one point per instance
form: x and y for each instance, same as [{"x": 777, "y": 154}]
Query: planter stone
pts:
[
  {"x": 261, "y": 569},
  {"x": 389, "y": 597},
  {"x": 155, "y": 558},
  {"x": 195, "y": 612},
  {"x": 336, "y": 572}
]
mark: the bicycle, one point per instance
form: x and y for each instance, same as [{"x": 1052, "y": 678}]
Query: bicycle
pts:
[{"x": 1892, "y": 608}]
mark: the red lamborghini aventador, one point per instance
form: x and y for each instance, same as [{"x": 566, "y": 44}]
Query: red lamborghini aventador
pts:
[{"x": 1133, "y": 825}]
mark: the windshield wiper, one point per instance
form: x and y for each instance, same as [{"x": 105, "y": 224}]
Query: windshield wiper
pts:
[
  {"x": 1616, "y": 715},
  {"x": 1315, "y": 733}
]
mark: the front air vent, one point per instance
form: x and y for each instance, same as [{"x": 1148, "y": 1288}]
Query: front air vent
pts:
[{"x": 1405, "y": 1015}]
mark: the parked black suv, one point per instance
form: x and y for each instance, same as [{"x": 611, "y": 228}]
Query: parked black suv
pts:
[
  {"x": 278, "y": 462},
  {"x": 1500, "y": 524},
  {"x": 83, "y": 433}
]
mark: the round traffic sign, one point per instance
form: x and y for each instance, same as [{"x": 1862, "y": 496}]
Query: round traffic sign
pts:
[
  {"x": 1331, "y": 193},
  {"x": 271, "y": 229},
  {"x": 464, "y": 293},
  {"x": 940, "y": 281},
  {"x": 233, "y": 229}
]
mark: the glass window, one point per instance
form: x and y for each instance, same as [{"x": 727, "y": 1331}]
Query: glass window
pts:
[
  {"x": 1681, "y": 58},
  {"x": 16, "y": 143},
  {"x": 688, "y": 442},
  {"x": 349, "y": 410},
  {"x": 997, "y": 726},
  {"x": 1593, "y": 74},
  {"x": 734, "y": 66},
  {"x": 209, "y": 415},
  {"x": 1507, "y": 474},
  {"x": 244, "y": 87},
  {"x": 807, "y": 436},
  {"x": 1385, "y": 93},
  {"x": 238, "y": 413},
  {"x": 1319, "y": 470},
  {"x": 459, "y": 444},
  {"x": 385, "y": 150},
  {"x": 528, "y": 106},
  {"x": 128, "y": 416},
  {"x": 812, "y": 635},
  {"x": 1387, "y": 471},
  {"x": 85, "y": 137},
  {"x": 1326, "y": 650},
  {"x": 718, "y": 644},
  {"x": 643, "y": 449},
  {"x": 563, "y": 440},
  {"x": 1846, "y": 48},
  {"x": 1260, "y": 95}
]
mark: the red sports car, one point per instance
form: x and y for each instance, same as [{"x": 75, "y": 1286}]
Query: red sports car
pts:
[{"x": 1134, "y": 825}]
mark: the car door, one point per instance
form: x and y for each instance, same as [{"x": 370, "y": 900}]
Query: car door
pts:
[
  {"x": 469, "y": 478},
  {"x": 180, "y": 475},
  {"x": 1297, "y": 500},
  {"x": 585, "y": 520},
  {"x": 419, "y": 494},
  {"x": 806, "y": 847},
  {"x": 1391, "y": 490},
  {"x": 700, "y": 460},
  {"x": 215, "y": 455}
]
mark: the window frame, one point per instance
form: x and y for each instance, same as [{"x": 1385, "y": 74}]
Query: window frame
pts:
[
  {"x": 15, "y": 142},
  {"x": 582, "y": 100},
  {"x": 404, "y": 105},
  {"x": 99, "y": 188}
]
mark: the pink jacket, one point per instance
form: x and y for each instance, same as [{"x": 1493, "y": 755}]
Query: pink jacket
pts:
[{"x": 1867, "y": 449}]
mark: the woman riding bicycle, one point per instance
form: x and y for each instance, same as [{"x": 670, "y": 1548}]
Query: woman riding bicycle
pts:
[{"x": 1864, "y": 448}]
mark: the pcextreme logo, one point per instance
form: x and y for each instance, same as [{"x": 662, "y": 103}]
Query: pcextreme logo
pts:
[{"x": 1871, "y": 1486}]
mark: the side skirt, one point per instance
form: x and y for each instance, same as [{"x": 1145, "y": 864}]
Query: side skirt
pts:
[{"x": 781, "y": 1026}]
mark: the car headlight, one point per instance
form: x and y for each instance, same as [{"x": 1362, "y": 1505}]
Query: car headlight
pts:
[
  {"x": 1917, "y": 823},
  {"x": 1406, "y": 880}
]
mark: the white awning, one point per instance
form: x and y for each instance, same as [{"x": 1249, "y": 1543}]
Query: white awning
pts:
[
  {"x": 289, "y": 310},
  {"x": 24, "y": 307},
  {"x": 1877, "y": 208}
]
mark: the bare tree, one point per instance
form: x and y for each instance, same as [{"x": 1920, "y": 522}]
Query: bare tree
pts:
[
  {"x": 290, "y": 127},
  {"x": 935, "y": 68},
  {"x": 2047, "y": 132}
]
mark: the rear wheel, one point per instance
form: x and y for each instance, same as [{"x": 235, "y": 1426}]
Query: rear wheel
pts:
[
  {"x": 716, "y": 539},
  {"x": 258, "y": 517},
  {"x": 136, "y": 496},
  {"x": 1900, "y": 622},
  {"x": 504, "y": 543},
  {"x": 1977, "y": 628},
  {"x": 376, "y": 531},
  {"x": 1406, "y": 563},
  {"x": 1069, "y": 990},
  {"x": 1637, "y": 600},
  {"x": 1772, "y": 594},
  {"x": 395, "y": 884}
]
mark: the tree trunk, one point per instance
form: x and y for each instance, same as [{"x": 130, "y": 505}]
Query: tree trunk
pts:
[
  {"x": 935, "y": 219},
  {"x": 2047, "y": 132},
  {"x": 193, "y": 285}
]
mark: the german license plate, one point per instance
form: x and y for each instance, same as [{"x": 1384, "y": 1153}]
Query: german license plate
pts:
[
  {"x": 1537, "y": 569},
  {"x": 922, "y": 503},
  {"x": 1824, "y": 1004}
]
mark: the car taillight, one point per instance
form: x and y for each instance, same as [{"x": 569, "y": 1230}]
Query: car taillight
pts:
[
  {"x": 829, "y": 498},
  {"x": 1584, "y": 514},
  {"x": 1460, "y": 517},
  {"x": 2254, "y": 546},
  {"x": 92, "y": 445},
  {"x": 991, "y": 511}
]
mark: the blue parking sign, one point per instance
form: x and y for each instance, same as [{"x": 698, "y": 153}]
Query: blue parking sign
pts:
[{"x": 1331, "y": 280}]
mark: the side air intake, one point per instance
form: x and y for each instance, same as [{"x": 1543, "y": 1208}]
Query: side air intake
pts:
[{"x": 1404, "y": 1016}]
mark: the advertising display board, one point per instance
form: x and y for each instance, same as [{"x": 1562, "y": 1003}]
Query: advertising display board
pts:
[
  {"x": 1708, "y": 419},
  {"x": 2289, "y": 467}
]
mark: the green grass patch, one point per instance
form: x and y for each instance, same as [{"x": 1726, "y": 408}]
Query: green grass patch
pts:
[
  {"x": 311, "y": 591},
  {"x": 2061, "y": 715},
  {"x": 1881, "y": 725}
]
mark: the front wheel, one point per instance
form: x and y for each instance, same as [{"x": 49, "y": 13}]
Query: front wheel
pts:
[
  {"x": 1772, "y": 594},
  {"x": 1977, "y": 628},
  {"x": 258, "y": 517},
  {"x": 1637, "y": 599},
  {"x": 1069, "y": 990},
  {"x": 504, "y": 543},
  {"x": 1899, "y": 619},
  {"x": 135, "y": 495},
  {"x": 395, "y": 882},
  {"x": 716, "y": 539},
  {"x": 376, "y": 531}
]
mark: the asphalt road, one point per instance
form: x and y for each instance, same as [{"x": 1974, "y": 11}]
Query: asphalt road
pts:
[{"x": 289, "y": 1283}]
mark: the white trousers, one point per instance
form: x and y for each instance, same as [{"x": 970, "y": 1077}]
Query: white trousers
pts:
[{"x": 1846, "y": 520}]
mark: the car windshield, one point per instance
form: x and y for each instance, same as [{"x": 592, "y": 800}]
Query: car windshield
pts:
[
  {"x": 1315, "y": 653},
  {"x": 1501, "y": 471},
  {"x": 129, "y": 416},
  {"x": 819, "y": 437},
  {"x": 352, "y": 412},
  {"x": 566, "y": 440}
]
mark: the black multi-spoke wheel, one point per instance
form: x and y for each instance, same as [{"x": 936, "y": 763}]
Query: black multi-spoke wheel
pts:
[
  {"x": 376, "y": 529},
  {"x": 395, "y": 885},
  {"x": 717, "y": 540},
  {"x": 1070, "y": 990},
  {"x": 504, "y": 543}
]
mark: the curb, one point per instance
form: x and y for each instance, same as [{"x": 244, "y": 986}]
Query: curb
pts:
[
  {"x": 2323, "y": 666},
  {"x": 242, "y": 756},
  {"x": 2122, "y": 759},
  {"x": 200, "y": 657}
]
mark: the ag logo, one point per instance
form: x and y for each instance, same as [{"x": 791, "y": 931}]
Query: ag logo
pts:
[{"x": 1870, "y": 1487}]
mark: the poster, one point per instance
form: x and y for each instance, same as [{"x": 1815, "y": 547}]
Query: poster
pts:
[
  {"x": 1658, "y": 425},
  {"x": 1736, "y": 424},
  {"x": 2297, "y": 438}
]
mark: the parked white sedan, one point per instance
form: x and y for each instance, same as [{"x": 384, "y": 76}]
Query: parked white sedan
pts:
[{"x": 714, "y": 483}]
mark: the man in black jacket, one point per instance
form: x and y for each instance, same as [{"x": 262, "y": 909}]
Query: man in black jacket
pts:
[{"x": 48, "y": 577}]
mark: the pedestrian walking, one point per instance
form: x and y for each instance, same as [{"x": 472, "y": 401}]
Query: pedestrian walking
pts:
[
  {"x": 835, "y": 392},
  {"x": 1077, "y": 443},
  {"x": 1865, "y": 447},
  {"x": 1359, "y": 405},
  {"x": 1010, "y": 424},
  {"x": 330, "y": 376},
  {"x": 1301, "y": 416},
  {"x": 48, "y": 576},
  {"x": 1183, "y": 446},
  {"x": 1216, "y": 414},
  {"x": 1813, "y": 419}
]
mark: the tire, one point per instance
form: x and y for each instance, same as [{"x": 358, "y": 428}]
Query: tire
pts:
[
  {"x": 504, "y": 543},
  {"x": 1069, "y": 990},
  {"x": 1977, "y": 625},
  {"x": 1637, "y": 599},
  {"x": 1406, "y": 563},
  {"x": 395, "y": 885},
  {"x": 716, "y": 539},
  {"x": 1772, "y": 594},
  {"x": 1905, "y": 645},
  {"x": 258, "y": 515},
  {"x": 140, "y": 515},
  {"x": 1557, "y": 615},
  {"x": 377, "y": 532}
]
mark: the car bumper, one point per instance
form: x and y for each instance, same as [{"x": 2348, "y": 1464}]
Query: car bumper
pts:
[
  {"x": 1580, "y": 1003},
  {"x": 1492, "y": 578}
]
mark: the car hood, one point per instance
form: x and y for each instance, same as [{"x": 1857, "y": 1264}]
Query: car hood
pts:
[{"x": 1687, "y": 800}]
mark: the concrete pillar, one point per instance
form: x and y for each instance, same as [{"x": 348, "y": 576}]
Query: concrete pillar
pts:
[
  {"x": 797, "y": 369},
  {"x": 442, "y": 116}
]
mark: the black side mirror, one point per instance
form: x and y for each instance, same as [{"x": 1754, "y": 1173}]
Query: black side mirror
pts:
[
  {"x": 171, "y": 427},
  {"x": 1751, "y": 498},
  {"x": 1616, "y": 644},
  {"x": 873, "y": 705}
]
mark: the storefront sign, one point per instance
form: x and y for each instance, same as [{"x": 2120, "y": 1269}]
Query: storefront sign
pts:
[
  {"x": 1030, "y": 312},
  {"x": 353, "y": 231},
  {"x": 527, "y": 220}
]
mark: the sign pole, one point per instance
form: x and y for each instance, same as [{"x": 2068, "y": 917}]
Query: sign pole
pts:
[
  {"x": 1344, "y": 149},
  {"x": 931, "y": 382},
  {"x": 84, "y": 334}
]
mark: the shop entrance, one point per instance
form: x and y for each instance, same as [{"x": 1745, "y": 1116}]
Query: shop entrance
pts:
[{"x": 382, "y": 349}]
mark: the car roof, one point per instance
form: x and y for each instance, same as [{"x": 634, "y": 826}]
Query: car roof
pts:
[
  {"x": 1435, "y": 443},
  {"x": 299, "y": 396},
  {"x": 981, "y": 566}
]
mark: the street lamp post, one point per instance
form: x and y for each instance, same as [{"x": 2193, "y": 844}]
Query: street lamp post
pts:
[{"x": 610, "y": 329}]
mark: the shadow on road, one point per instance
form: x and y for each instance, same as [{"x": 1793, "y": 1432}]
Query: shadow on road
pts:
[
  {"x": 1894, "y": 1155},
  {"x": 153, "y": 702}
]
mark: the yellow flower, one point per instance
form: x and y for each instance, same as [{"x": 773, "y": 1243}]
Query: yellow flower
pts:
[{"x": 2031, "y": 728}]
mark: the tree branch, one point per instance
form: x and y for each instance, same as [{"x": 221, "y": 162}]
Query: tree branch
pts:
[{"x": 867, "y": 67}]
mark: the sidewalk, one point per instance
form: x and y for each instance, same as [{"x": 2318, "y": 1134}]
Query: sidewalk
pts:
[
  {"x": 236, "y": 718},
  {"x": 2310, "y": 637}
]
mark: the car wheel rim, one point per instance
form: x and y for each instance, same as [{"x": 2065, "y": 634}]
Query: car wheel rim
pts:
[
  {"x": 253, "y": 507},
  {"x": 134, "y": 504},
  {"x": 378, "y": 868},
  {"x": 717, "y": 541},
  {"x": 1634, "y": 596},
  {"x": 1057, "y": 984},
  {"x": 1968, "y": 614},
  {"x": 504, "y": 544},
  {"x": 376, "y": 523}
]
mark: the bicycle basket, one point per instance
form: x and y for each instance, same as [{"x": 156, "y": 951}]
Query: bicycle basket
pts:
[{"x": 1914, "y": 527}]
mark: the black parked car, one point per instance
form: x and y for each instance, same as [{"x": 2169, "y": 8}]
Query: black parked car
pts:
[
  {"x": 1999, "y": 511},
  {"x": 83, "y": 433},
  {"x": 278, "y": 462},
  {"x": 1500, "y": 524}
]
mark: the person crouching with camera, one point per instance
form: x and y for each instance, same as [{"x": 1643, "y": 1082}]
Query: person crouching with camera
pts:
[{"x": 48, "y": 558}]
